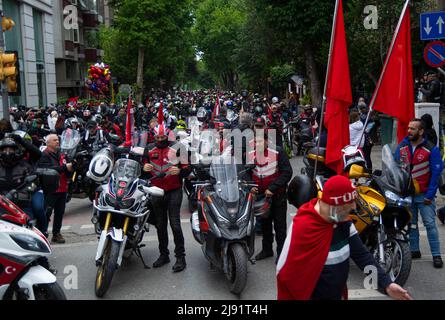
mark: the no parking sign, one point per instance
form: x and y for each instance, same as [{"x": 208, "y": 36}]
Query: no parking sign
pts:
[{"x": 434, "y": 54}]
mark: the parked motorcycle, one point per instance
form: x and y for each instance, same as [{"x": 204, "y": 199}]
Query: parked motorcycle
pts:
[
  {"x": 121, "y": 215},
  {"x": 24, "y": 268},
  {"x": 79, "y": 186},
  {"x": 383, "y": 214},
  {"x": 224, "y": 221}
]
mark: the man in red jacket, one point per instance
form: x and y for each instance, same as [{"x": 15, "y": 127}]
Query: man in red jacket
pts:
[
  {"x": 314, "y": 263},
  {"x": 52, "y": 158},
  {"x": 163, "y": 163}
]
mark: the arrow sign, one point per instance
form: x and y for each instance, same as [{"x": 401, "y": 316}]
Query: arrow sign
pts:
[
  {"x": 434, "y": 54},
  {"x": 440, "y": 23},
  {"x": 428, "y": 28},
  {"x": 432, "y": 25}
]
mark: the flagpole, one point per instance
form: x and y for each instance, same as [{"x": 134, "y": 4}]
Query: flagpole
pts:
[
  {"x": 323, "y": 105},
  {"x": 391, "y": 47}
]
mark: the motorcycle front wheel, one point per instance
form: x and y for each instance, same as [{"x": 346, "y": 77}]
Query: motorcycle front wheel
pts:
[
  {"x": 397, "y": 260},
  {"x": 237, "y": 273},
  {"x": 107, "y": 268},
  {"x": 49, "y": 291}
]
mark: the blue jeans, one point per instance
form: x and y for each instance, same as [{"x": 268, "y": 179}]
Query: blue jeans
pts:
[
  {"x": 37, "y": 211},
  {"x": 428, "y": 213}
]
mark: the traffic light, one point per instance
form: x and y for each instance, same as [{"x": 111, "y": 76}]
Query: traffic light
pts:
[
  {"x": 9, "y": 71},
  {"x": 7, "y": 24}
]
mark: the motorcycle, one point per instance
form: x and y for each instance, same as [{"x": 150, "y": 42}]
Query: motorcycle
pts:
[
  {"x": 80, "y": 186},
  {"x": 383, "y": 214},
  {"x": 224, "y": 221},
  {"x": 121, "y": 216},
  {"x": 24, "y": 269}
]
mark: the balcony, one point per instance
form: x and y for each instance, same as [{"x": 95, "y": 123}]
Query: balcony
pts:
[
  {"x": 90, "y": 20},
  {"x": 93, "y": 55}
]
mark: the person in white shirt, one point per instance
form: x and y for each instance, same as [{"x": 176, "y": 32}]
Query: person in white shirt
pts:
[{"x": 355, "y": 130}]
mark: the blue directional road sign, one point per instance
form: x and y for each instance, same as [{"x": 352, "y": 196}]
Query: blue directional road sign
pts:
[{"x": 432, "y": 25}]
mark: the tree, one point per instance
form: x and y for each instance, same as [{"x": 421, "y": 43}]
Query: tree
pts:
[{"x": 156, "y": 31}]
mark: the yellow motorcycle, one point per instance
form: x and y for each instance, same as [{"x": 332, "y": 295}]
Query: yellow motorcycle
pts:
[{"x": 383, "y": 214}]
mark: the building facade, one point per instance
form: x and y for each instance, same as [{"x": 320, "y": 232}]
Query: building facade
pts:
[
  {"x": 77, "y": 47},
  {"x": 33, "y": 39}
]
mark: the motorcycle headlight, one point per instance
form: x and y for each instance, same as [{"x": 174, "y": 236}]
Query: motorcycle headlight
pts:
[
  {"x": 127, "y": 204},
  {"x": 110, "y": 200},
  {"x": 29, "y": 243},
  {"x": 392, "y": 197}
]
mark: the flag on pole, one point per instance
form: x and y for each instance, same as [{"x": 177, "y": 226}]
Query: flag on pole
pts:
[
  {"x": 161, "y": 113},
  {"x": 394, "y": 93},
  {"x": 129, "y": 125},
  {"x": 215, "y": 112},
  {"x": 338, "y": 94}
]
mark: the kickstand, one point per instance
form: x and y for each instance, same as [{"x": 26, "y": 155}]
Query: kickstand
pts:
[{"x": 139, "y": 254}]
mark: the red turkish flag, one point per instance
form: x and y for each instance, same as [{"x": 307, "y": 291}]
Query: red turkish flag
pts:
[
  {"x": 129, "y": 126},
  {"x": 395, "y": 95},
  {"x": 338, "y": 95}
]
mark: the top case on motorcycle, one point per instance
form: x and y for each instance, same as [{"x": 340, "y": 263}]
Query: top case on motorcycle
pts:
[{"x": 321, "y": 166}]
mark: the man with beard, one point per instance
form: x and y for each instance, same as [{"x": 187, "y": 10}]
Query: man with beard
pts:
[
  {"x": 163, "y": 163},
  {"x": 421, "y": 158},
  {"x": 314, "y": 263}
]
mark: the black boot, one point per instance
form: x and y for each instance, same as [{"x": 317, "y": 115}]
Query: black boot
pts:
[
  {"x": 264, "y": 254},
  {"x": 163, "y": 259},
  {"x": 179, "y": 265}
]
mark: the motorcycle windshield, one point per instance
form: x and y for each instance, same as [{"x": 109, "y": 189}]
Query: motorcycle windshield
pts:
[
  {"x": 393, "y": 176},
  {"x": 70, "y": 139},
  {"x": 126, "y": 169},
  {"x": 139, "y": 139},
  {"x": 223, "y": 170}
]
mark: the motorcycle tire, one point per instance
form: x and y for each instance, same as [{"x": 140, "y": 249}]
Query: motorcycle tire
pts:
[
  {"x": 106, "y": 270},
  {"x": 405, "y": 258},
  {"x": 237, "y": 274},
  {"x": 49, "y": 291}
]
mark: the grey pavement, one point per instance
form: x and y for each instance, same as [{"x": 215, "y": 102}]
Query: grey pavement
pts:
[{"x": 198, "y": 282}]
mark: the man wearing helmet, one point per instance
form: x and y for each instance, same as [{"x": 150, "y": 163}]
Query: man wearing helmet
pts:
[
  {"x": 314, "y": 263},
  {"x": 162, "y": 163}
]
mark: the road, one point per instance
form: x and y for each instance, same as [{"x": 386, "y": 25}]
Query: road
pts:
[{"x": 76, "y": 267}]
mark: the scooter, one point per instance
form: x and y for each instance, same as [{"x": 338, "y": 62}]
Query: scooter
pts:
[{"x": 224, "y": 222}]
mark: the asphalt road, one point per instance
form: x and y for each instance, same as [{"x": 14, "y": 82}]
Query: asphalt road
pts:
[{"x": 77, "y": 271}]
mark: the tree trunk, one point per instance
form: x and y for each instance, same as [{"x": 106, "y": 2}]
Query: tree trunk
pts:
[
  {"x": 314, "y": 77},
  {"x": 140, "y": 74}
]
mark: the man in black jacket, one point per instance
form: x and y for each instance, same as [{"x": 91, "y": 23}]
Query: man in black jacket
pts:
[
  {"x": 52, "y": 158},
  {"x": 271, "y": 173}
]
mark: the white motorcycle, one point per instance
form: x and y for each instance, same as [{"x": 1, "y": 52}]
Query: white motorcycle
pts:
[
  {"x": 24, "y": 268},
  {"x": 121, "y": 215}
]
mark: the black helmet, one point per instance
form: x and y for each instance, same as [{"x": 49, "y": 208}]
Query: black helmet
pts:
[
  {"x": 8, "y": 159},
  {"x": 301, "y": 190}
]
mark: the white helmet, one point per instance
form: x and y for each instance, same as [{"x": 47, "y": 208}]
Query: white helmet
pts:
[
  {"x": 101, "y": 166},
  {"x": 275, "y": 100}
]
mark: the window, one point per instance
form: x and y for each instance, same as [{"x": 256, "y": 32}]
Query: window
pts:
[
  {"x": 40, "y": 57},
  {"x": 76, "y": 36}
]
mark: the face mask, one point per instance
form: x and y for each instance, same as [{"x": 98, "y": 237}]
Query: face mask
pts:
[
  {"x": 8, "y": 158},
  {"x": 336, "y": 216},
  {"x": 162, "y": 144}
]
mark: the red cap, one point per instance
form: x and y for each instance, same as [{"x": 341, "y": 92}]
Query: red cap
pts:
[{"x": 338, "y": 191}]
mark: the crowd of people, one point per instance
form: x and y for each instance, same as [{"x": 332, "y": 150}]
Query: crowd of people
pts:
[{"x": 30, "y": 139}]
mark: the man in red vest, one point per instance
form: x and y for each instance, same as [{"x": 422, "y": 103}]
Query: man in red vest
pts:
[
  {"x": 271, "y": 173},
  {"x": 423, "y": 161},
  {"x": 314, "y": 263},
  {"x": 164, "y": 165},
  {"x": 52, "y": 158}
]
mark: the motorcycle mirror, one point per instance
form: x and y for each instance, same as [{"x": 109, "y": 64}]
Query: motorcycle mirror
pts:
[{"x": 30, "y": 178}]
